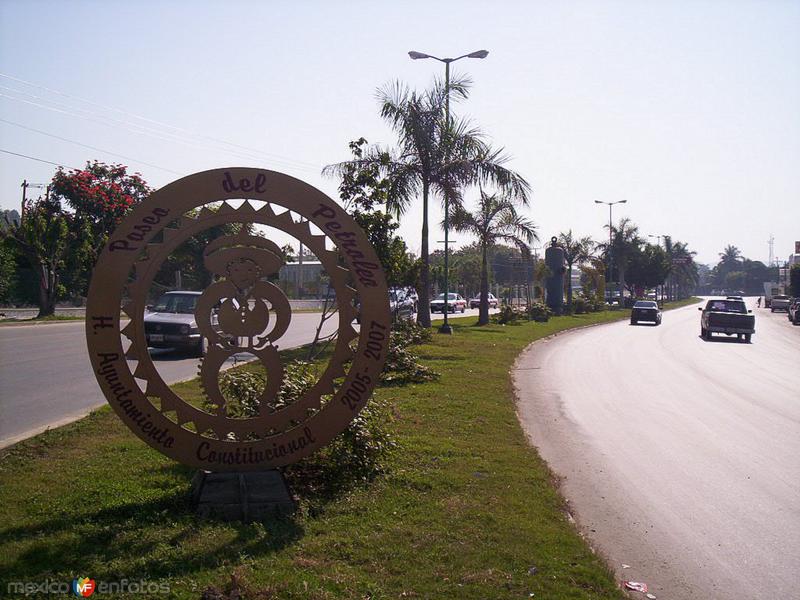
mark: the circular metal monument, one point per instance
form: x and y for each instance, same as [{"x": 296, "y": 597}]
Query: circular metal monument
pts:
[{"x": 241, "y": 312}]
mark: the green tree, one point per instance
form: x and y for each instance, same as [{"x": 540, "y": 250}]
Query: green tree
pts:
[
  {"x": 576, "y": 251},
  {"x": 625, "y": 243},
  {"x": 48, "y": 238},
  {"x": 684, "y": 272},
  {"x": 363, "y": 191},
  {"x": 648, "y": 268},
  {"x": 435, "y": 156},
  {"x": 495, "y": 221}
]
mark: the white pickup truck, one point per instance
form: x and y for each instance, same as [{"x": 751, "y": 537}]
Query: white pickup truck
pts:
[{"x": 779, "y": 302}]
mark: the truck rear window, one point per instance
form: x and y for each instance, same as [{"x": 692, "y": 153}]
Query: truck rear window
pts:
[{"x": 732, "y": 306}]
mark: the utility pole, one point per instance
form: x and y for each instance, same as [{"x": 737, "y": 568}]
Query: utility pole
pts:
[
  {"x": 771, "y": 242},
  {"x": 25, "y": 186}
]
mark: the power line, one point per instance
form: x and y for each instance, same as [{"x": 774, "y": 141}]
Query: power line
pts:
[
  {"x": 41, "y": 160},
  {"x": 63, "y": 139},
  {"x": 250, "y": 153},
  {"x": 138, "y": 129},
  {"x": 155, "y": 122}
]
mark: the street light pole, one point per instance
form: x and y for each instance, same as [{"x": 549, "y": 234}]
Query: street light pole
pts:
[
  {"x": 610, "y": 242},
  {"x": 445, "y": 328}
]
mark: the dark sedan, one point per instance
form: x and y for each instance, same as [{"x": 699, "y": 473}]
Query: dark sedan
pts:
[{"x": 645, "y": 310}]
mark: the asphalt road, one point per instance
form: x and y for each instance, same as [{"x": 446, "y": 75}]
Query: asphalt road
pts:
[
  {"x": 46, "y": 379},
  {"x": 679, "y": 457}
]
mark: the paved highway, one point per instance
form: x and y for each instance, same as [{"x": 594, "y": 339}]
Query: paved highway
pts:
[
  {"x": 679, "y": 457},
  {"x": 46, "y": 379}
]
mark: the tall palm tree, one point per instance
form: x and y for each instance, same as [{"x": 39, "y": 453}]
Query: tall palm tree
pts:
[
  {"x": 434, "y": 156},
  {"x": 625, "y": 240},
  {"x": 730, "y": 255},
  {"x": 576, "y": 251},
  {"x": 496, "y": 220},
  {"x": 683, "y": 274}
]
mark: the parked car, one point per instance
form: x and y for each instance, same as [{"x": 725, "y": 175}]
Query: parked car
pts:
[
  {"x": 730, "y": 317},
  {"x": 455, "y": 303},
  {"x": 645, "y": 310},
  {"x": 794, "y": 311},
  {"x": 476, "y": 301},
  {"x": 779, "y": 302},
  {"x": 412, "y": 295},
  {"x": 401, "y": 304},
  {"x": 170, "y": 323}
]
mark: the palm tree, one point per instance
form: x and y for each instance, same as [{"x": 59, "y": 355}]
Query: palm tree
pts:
[
  {"x": 730, "y": 255},
  {"x": 624, "y": 242},
  {"x": 496, "y": 220},
  {"x": 434, "y": 156},
  {"x": 576, "y": 250},
  {"x": 683, "y": 274}
]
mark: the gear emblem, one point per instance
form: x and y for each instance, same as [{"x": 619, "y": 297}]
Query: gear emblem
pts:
[{"x": 241, "y": 311}]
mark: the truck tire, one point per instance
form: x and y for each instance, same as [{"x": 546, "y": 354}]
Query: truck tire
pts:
[
  {"x": 772, "y": 309},
  {"x": 747, "y": 337}
]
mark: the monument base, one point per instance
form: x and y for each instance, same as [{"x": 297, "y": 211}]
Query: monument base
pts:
[{"x": 246, "y": 496}]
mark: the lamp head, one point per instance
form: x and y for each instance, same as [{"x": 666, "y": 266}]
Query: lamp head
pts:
[
  {"x": 598, "y": 202},
  {"x": 622, "y": 201},
  {"x": 478, "y": 54},
  {"x": 417, "y": 55}
]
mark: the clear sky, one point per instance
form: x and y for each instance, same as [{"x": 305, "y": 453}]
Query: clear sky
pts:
[{"x": 690, "y": 110}]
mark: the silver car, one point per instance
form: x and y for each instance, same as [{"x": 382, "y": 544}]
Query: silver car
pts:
[{"x": 170, "y": 323}]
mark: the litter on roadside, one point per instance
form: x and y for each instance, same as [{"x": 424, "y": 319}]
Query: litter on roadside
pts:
[
  {"x": 650, "y": 596},
  {"x": 636, "y": 586},
  {"x": 624, "y": 566}
]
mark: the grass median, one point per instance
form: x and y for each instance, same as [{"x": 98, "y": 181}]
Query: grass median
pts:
[{"x": 467, "y": 508}]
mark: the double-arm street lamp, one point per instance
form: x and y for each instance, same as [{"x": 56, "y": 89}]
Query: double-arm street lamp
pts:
[
  {"x": 416, "y": 56},
  {"x": 610, "y": 242}
]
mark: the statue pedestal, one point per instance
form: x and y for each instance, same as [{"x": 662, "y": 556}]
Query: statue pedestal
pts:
[{"x": 247, "y": 496}]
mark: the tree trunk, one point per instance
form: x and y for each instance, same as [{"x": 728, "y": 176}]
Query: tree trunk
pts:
[
  {"x": 424, "y": 309},
  {"x": 483, "y": 314},
  {"x": 569, "y": 283},
  {"x": 47, "y": 292},
  {"x": 622, "y": 286}
]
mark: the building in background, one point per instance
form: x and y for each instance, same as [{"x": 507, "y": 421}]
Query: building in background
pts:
[{"x": 303, "y": 280}]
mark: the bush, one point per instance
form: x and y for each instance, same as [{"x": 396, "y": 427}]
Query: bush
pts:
[
  {"x": 581, "y": 306},
  {"x": 539, "y": 311},
  {"x": 402, "y": 365},
  {"x": 508, "y": 315},
  {"x": 408, "y": 332},
  {"x": 242, "y": 388}
]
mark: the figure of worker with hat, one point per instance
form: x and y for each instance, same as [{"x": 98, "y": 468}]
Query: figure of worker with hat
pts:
[{"x": 246, "y": 304}]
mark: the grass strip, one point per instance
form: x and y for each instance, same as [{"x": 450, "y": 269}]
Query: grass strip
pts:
[{"x": 467, "y": 509}]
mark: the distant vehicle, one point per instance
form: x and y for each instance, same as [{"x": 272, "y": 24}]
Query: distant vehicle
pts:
[
  {"x": 794, "y": 311},
  {"x": 170, "y": 323},
  {"x": 779, "y": 302},
  {"x": 770, "y": 289},
  {"x": 730, "y": 317},
  {"x": 645, "y": 310},
  {"x": 455, "y": 302},
  {"x": 412, "y": 295},
  {"x": 401, "y": 304},
  {"x": 476, "y": 301}
]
